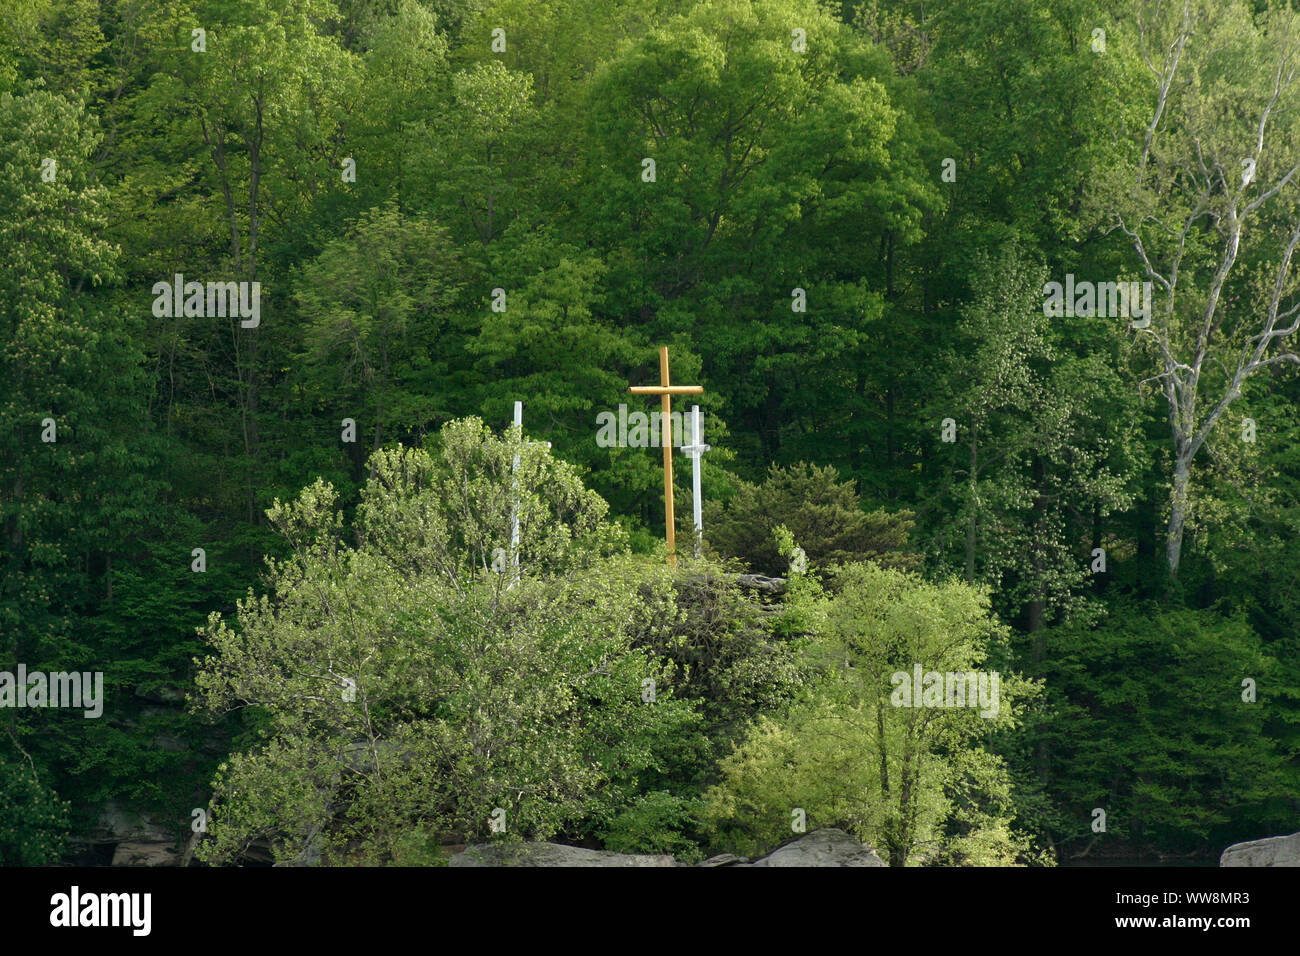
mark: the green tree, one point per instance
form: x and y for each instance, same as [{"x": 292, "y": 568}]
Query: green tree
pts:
[
  {"x": 82, "y": 501},
  {"x": 1035, "y": 462},
  {"x": 1205, "y": 199},
  {"x": 33, "y": 820},
  {"x": 775, "y": 169},
  {"x": 915, "y": 781},
  {"x": 1149, "y": 721},
  {"x": 413, "y": 684},
  {"x": 823, "y": 513},
  {"x": 375, "y": 299}
]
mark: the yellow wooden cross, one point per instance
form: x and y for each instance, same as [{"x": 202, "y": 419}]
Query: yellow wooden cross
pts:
[{"x": 666, "y": 393}]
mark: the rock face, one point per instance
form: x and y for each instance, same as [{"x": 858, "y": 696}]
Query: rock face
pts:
[
  {"x": 829, "y": 847},
  {"x": 155, "y": 853},
  {"x": 550, "y": 854},
  {"x": 1273, "y": 851},
  {"x": 136, "y": 839}
]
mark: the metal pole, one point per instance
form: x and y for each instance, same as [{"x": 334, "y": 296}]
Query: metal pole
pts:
[{"x": 514, "y": 499}]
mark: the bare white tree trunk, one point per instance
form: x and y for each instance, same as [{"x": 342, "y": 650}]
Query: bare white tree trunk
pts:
[
  {"x": 1192, "y": 175},
  {"x": 1177, "y": 514}
]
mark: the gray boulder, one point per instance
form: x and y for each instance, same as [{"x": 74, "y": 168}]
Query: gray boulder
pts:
[
  {"x": 146, "y": 853},
  {"x": 1273, "y": 851},
  {"x": 828, "y": 847},
  {"x": 550, "y": 854},
  {"x": 137, "y": 838}
]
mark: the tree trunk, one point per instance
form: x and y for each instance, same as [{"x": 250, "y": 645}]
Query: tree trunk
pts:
[
  {"x": 1177, "y": 514},
  {"x": 970, "y": 525},
  {"x": 1038, "y": 603}
]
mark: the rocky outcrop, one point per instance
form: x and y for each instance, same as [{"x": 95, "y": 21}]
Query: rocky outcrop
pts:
[
  {"x": 550, "y": 854},
  {"x": 753, "y": 582},
  {"x": 828, "y": 847},
  {"x": 1273, "y": 851},
  {"x": 133, "y": 839},
  {"x": 761, "y": 582},
  {"x": 147, "y": 853}
]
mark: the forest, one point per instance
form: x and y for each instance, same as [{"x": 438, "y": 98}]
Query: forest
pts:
[{"x": 994, "y": 310}]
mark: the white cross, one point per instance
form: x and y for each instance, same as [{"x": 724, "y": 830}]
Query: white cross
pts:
[{"x": 695, "y": 449}]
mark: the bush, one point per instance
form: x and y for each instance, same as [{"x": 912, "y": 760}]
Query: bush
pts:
[
  {"x": 1147, "y": 722},
  {"x": 658, "y": 822},
  {"x": 409, "y": 686},
  {"x": 916, "y": 783},
  {"x": 823, "y": 513},
  {"x": 33, "y": 820}
]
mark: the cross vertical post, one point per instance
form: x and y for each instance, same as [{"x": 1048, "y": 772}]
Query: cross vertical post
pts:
[
  {"x": 695, "y": 449},
  {"x": 666, "y": 391},
  {"x": 666, "y": 439}
]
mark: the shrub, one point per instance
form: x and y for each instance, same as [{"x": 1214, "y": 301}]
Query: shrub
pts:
[
  {"x": 915, "y": 782},
  {"x": 824, "y": 515}
]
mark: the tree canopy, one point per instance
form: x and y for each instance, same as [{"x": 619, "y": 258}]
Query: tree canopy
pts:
[{"x": 993, "y": 307}]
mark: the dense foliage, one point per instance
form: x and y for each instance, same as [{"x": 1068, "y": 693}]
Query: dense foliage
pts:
[{"x": 843, "y": 219}]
